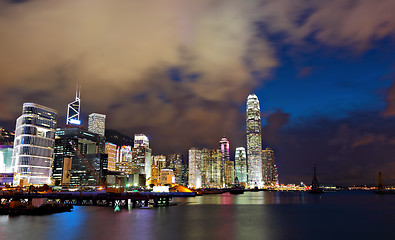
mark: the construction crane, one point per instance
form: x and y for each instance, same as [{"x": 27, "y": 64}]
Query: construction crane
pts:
[{"x": 88, "y": 165}]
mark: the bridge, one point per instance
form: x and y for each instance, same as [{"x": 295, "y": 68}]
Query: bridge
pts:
[{"x": 135, "y": 199}]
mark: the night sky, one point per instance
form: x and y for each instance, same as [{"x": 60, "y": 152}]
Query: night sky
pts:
[{"x": 180, "y": 71}]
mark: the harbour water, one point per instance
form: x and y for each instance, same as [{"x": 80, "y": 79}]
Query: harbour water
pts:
[{"x": 252, "y": 215}]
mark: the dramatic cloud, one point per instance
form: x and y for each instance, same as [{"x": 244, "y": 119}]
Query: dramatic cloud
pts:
[{"x": 178, "y": 71}]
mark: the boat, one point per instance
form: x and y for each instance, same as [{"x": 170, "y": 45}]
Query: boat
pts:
[
  {"x": 236, "y": 189},
  {"x": 315, "y": 187},
  {"x": 211, "y": 191}
]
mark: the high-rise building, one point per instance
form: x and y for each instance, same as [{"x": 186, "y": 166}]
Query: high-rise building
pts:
[
  {"x": 160, "y": 161},
  {"x": 269, "y": 169},
  {"x": 195, "y": 168},
  {"x": 224, "y": 144},
  {"x": 34, "y": 145},
  {"x": 111, "y": 151},
  {"x": 141, "y": 140},
  {"x": 241, "y": 165},
  {"x": 97, "y": 123},
  {"x": 175, "y": 163},
  {"x": 141, "y": 156},
  {"x": 80, "y": 158},
  {"x": 73, "y": 109},
  {"x": 229, "y": 170},
  {"x": 254, "y": 142},
  {"x": 124, "y": 161}
]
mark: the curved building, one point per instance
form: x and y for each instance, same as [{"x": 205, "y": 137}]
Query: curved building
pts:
[
  {"x": 254, "y": 142},
  {"x": 34, "y": 145}
]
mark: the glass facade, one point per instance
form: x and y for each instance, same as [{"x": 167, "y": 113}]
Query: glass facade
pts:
[
  {"x": 241, "y": 165},
  {"x": 70, "y": 167},
  {"x": 269, "y": 169},
  {"x": 254, "y": 142},
  {"x": 34, "y": 145},
  {"x": 195, "y": 168}
]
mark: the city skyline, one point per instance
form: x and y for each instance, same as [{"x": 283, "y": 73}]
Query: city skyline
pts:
[{"x": 326, "y": 80}]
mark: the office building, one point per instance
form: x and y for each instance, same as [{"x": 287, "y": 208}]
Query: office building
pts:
[
  {"x": 175, "y": 162},
  {"x": 34, "y": 145},
  {"x": 124, "y": 161},
  {"x": 80, "y": 158},
  {"x": 268, "y": 166},
  {"x": 229, "y": 171},
  {"x": 241, "y": 165},
  {"x": 97, "y": 123},
  {"x": 195, "y": 168},
  {"x": 141, "y": 156},
  {"x": 254, "y": 142},
  {"x": 111, "y": 151},
  {"x": 224, "y": 146}
]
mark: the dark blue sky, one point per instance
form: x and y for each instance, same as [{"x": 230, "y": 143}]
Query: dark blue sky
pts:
[{"x": 328, "y": 81}]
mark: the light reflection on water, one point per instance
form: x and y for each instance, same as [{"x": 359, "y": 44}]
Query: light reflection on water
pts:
[{"x": 252, "y": 215}]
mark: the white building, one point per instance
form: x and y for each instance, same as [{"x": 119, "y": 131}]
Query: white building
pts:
[
  {"x": 34, "y": 145},
  {"x": 254, "y": 142},
  {"x": 195, "y": 168}
]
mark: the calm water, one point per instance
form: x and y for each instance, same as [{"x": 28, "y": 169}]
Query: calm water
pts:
[{"x": 253, "y": 215}]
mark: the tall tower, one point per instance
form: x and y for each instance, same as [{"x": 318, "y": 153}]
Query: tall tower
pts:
[
  {"x": 224, "y": 143},
  {"x": 34, "y": 145},
  {"x": 254, "y": 141},
  {"x": 97, "y": 123},
  {"x": 241, "y": 164},
  {"x": 73, "y": 109},
  {"x": 141, "y": 155},
  {"x": 269, "y": 171},
  {"x": 195, "y": 168}
]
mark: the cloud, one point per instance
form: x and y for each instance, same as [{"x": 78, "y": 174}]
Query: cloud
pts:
[
  {"x": 179, "y": 71},
  {"x": 350, "y": 150}
]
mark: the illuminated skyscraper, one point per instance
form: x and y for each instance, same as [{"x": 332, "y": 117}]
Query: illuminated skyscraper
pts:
[
  {"x": 224, "y": 143},
  {"x": 141, "y": 140},
  {"x": 241, "y": 165},
  {"x": 34, "y": 145},
  {"x": 142, "y": 155},
  {"x": 254, "y": 142},
  {"x": 195, "y": 168},
  {"x": 269, "y": 169},
  {"x": 73, "y": 109},
  {"x": 97, "y": 123},
  {"x": 111, "y": 151}
]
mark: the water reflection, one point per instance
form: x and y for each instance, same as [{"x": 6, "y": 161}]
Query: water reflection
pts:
[{"x": 252, "y": 215}]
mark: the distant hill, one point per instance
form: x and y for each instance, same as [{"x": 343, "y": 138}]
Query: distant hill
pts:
[{"x": 118, "y": 138}]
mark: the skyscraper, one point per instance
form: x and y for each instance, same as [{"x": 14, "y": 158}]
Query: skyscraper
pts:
[
  {"x": 97, "y": 123},
  {"x": 141, "y": 154},
  {"x": 195, "y": 168},
  {"x": 224, "y": 144},
  {"x": 254, "y": 141},
  {"x": 241, "y": 165},
  {"x": 269, "y": 169},
  {"x": 34, "y": 145},
  {"x": 111, "y": 151},
  {"x": 73, "y": 109}
]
